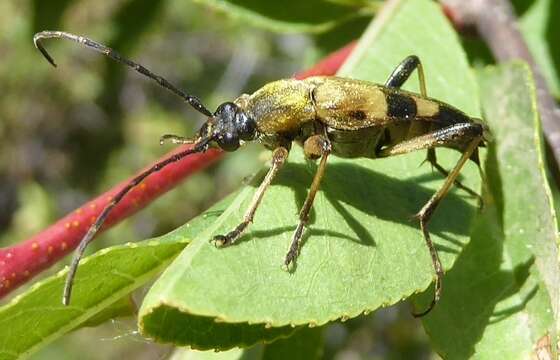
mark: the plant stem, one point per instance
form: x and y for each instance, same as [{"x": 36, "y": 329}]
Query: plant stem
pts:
[{"x": 496, "y": 23}]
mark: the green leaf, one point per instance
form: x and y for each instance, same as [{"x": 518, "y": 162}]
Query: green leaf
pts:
[
  {"x": 123, "y": 307},
  {"x": 291, "y": 15},
  {"x": 304, "y": 344},
  {"x": 502, "y": 293},
  {"x": 361, "y": 250},
  {"x": 168, "y": 324},
  {"x": 37, "y": 317}
]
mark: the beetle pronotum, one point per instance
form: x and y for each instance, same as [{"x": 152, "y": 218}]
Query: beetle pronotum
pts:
[{"x": 327, "y": 116}]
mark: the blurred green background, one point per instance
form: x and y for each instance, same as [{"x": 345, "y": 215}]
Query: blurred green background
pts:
[{"x": 72, "y": 132}]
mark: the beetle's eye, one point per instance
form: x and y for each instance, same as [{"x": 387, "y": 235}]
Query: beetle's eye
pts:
[
  {"x": 246, "y": 127},
  {"x": 228, "y": 141},
  {"x": 226, "y": 109}
]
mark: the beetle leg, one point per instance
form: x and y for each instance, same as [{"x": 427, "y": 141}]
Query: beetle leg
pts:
[
  {"x": 279, "y": 156},
  {"x": 454, "y": 135},
  {"x": 425, "y": 214},
  {"x": 431, "y": 158},
  {"x": 313, "y": 146},
  {"x": 469, "y": 133},
  {"x": 403, "y": 71}
]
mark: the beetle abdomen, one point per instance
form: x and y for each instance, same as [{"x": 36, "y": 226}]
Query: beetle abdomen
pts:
[{"x": 355, "y": 144}]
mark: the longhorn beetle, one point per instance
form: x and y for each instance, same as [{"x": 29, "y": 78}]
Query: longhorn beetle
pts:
[{"x": 327, "y": 115}]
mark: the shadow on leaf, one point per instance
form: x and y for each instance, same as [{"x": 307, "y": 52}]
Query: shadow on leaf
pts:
[{"x": 351, "y": 186}]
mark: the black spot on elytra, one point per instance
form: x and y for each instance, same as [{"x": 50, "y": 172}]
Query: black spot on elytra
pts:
[
  {"x": 400, "y": 106},
  {"x": 357, "y": 114},
  {"x": 449, "y": 116}
]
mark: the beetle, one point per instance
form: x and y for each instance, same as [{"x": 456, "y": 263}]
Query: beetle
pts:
[{"x": 327, "y": 115}]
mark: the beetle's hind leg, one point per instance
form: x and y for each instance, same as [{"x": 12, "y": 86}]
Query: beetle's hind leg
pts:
[
  {"x": 397, "y": 78},
  {"x": 316, "y": 146},
  {"x": 467, "y": 134},
  {"x": 431, "y": 158},
  {"x": 425, "y": 214},
  {"x": 403, "y": 71},
  {"x": 279, "y": 156}
]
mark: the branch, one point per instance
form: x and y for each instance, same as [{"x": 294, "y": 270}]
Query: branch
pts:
[{"x": 496, "y": 23}]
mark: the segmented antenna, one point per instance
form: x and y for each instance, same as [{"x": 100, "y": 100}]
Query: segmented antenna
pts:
[
  {"x": 200, "y": 146},
  {"x": 100, "y": 48}
]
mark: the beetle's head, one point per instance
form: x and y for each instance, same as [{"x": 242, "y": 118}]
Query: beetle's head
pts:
[{"x": 228, "y": 126}]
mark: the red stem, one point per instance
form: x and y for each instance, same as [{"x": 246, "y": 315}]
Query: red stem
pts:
[
  {"x": 330, "y": 64},
  {"x": 19, "y": 263}
]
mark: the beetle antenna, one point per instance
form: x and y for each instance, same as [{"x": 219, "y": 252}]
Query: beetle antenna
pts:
[
  {"x": 100, "y": 48},
  {"x": 200, "y": 146}
]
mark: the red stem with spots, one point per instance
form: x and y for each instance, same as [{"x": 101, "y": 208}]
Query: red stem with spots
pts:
[{"x": 19, "y": 263}]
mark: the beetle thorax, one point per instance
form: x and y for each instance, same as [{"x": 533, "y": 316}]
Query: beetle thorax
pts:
[{"x": 281, "y": 106}]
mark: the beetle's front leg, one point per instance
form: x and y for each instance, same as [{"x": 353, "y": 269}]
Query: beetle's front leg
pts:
[
  {"x": 279, "y": 156},
  {"x": 314, "y": 147}
]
